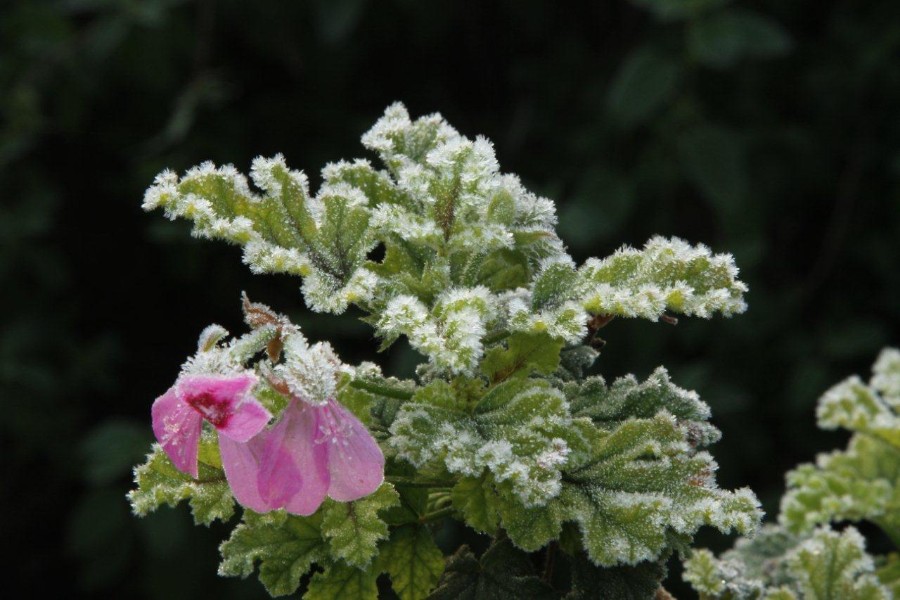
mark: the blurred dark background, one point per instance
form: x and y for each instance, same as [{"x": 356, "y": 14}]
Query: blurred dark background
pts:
[{"x": 768, "y": 129}]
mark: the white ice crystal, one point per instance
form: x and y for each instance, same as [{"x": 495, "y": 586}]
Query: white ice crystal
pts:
[{"x": 311, "y": 372}]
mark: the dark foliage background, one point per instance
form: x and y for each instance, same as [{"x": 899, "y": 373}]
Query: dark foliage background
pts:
[{"x": 769, "y": 129}]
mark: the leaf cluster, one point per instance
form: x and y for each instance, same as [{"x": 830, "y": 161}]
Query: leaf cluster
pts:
[
  {"x": 469, "y": 255},
  {"x": 804, "y": 556}
]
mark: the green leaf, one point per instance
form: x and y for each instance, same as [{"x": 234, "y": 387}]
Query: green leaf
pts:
[
  {"x": 504, "y": 270},
  {"x": 857, "y": 407},
  {"x": 775, "y": 564},
  {"x": 641, "y": 486},
  {"x": 285, "y": 546},
  {"x": 749, "y": 570},
  {"x": 342, "y": 240},
  {"x": 857, "y": 484},
  {"x": 722, "y": 39},
  {"x": 714, "y": 161},
  {"x": 861, "y": 482},
  {"x": 645, "y": 83},
  {"x": 526, "y": 353},
  {"x": 353, "y": 529},
  {"x": 635, "y": 582},
  {"x": 574, "y": 362},
  {"x": 376, "y": 185},
  {"x": 553, "y": 285},
  {"x": 666, "y": 275},
  {"x": 413, "y": 561},
  {"x": 502, "y": 437},
  {"x": 159, "y": 482},
  {"x": 531, "y": 528},
  {"x": 502, "y": 573},
  {"x": 641, "y": 490},
  {"x": 626, "y": 398},
  {"x": 343, "y": 581},
  {"x": 832, "y": 566},
  {"x": 475, "y": 498},
  {"x": 888, "y": 573},
  {"x": 222, "y": 206}
]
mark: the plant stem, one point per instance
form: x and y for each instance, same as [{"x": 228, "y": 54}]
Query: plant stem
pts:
[
  {"x": 417, "y": 483},
  {"x": 890, "y": 529},
  {"x": 437, "y": 515},
  {"x": 493, "y": 338},
  {"x": 550, "y": 561},
  {"x": 381, "y": 390}
]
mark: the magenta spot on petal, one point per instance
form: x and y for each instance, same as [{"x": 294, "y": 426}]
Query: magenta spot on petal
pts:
[{"x": 214, "y": 409}]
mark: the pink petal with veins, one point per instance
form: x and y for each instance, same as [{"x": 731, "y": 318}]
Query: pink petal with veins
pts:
[
  {"x": 281, "y": 467},
  {"x": 355, "y": 462},
  {"x": 177, "y": 429}
]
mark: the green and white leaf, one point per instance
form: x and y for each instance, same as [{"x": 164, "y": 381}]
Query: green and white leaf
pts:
[
  {"x": 520, "y": 433},
  {"x": 823, "y": 565},
  {"x": 627, "y": 398},
  {"x": 284, "y": 546},
  {"x": 413, "y": 561},
  {"x": 643, "y": 485},
  {"x": 666, "y": 275},
  {"x": 159, "y": 482},
  {"x": 863, "y": 481},
  {"x": 523, "y": 355},
  {"x": 340, "y": 580},
  {"x": 353, "y": 529}
]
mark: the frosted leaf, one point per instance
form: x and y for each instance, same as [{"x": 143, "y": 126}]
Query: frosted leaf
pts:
[
  {"x": 859, "y": 483},
  {"x": 395, "y": 220},
  {"x": 642, "y": 483},
  {"x": 284, "y": 546},
  {"x": 777, "y": 565},
  {"x": 398, "y": 140},
  {"x": 886, "y": 376},
  {"x": 159, "y": 482},
  {"x": 310, "y": 372},
  {"x": 268, "y": 175},
  {"x": 668, "y": 274},
  {"x": 449, "y": 334},
  {"x": 524, "y": 453}
]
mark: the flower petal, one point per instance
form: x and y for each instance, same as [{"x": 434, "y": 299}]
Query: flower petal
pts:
[
  {"x": 241, "y": 463},
  {"x": 279, "y": 468},
  {"x": 355, "y": 462},
  {"x": 177, "y": 429},
  {"x": 249, "y": 418},
  {"x": 225, "y": 402},
  {"x": 294, "y": 447}
]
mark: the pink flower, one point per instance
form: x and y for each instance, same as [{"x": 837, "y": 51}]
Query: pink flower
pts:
[
  {"x": 314, "y": 451},
  {"x": 222, "y": 400}
]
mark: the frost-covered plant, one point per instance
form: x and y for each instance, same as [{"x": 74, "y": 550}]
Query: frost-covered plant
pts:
[
  {"x": 804, "y": 556},
  {"x": 501, "y": 429}
]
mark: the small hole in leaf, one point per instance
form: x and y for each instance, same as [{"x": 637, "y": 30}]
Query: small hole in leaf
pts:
[{"x": 376, "y": 254}]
